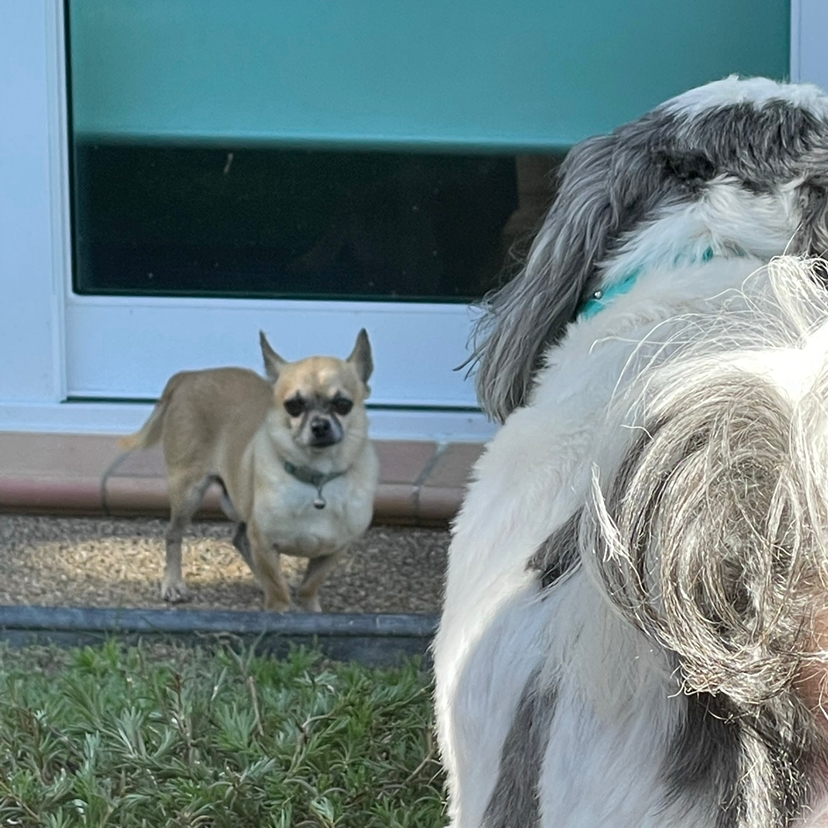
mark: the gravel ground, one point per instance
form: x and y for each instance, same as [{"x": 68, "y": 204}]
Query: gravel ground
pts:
[{"x": 92, "y": 562}]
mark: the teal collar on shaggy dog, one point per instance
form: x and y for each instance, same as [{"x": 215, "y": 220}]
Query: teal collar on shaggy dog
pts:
[{"x": 601, "y": 298}]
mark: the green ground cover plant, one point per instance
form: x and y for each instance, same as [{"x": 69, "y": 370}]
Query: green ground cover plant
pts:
[{"x": 153, "y": 736}]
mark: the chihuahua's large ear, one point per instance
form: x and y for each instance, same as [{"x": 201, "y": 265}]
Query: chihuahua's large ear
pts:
[
  {"x": 272, "y": 361},
  {"x": 361, "y": 356}
]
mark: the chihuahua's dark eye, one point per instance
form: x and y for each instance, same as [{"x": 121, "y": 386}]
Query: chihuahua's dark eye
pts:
[
  {"x": 294, "y": 406},
  {"x": 341, "y": 406}
]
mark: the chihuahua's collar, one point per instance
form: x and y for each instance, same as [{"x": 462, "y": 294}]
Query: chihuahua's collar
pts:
[{"x": 305, "y": 474}]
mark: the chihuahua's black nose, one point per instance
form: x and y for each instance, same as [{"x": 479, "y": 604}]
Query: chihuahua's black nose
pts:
[
  {"x": 320, "y": 427},
  {"x": 324, "y": 431}
]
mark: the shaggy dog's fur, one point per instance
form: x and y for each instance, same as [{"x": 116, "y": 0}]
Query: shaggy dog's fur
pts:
[{"x": 636, "y": 604}]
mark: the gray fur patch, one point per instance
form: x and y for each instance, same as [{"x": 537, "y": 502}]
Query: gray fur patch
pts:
[
  {"x": 760, "y": 146},
  {"x": 514, "y": 801},
  {"x": 559, "y": 554},
  {"x": 704, "y": 759},
  {"x": 743, "y": 766}
]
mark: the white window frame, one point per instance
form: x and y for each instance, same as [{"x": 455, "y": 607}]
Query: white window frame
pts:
[
  {"x": 809, "y": 22},
  {"x": 56, "y": 346}
]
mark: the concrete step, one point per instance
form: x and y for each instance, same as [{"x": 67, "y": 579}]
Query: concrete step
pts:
[{"x": 421, "y": 483}]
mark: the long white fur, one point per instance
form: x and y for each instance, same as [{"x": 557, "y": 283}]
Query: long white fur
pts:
[{"x": 617, "y": 702}]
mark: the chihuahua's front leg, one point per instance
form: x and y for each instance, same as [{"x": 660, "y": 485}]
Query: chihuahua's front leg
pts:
[
  {"x": 266, "y": 565},
  {"x": 316, "y": 572}
]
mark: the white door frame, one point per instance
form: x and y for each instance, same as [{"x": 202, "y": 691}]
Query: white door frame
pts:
[{"x": 809, "y": 22}]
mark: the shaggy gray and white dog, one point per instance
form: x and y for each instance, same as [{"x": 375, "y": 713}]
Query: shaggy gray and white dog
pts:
[{"x": 636, "y": 611}]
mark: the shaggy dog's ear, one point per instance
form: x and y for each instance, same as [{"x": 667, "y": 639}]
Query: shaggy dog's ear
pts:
[{"x": 531, "y": 312}]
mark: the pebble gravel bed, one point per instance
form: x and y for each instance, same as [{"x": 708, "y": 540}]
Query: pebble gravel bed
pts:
[{"x": 97, "y": 562}]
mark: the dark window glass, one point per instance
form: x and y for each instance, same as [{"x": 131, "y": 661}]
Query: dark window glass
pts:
[{"x": 270, "y": 222}]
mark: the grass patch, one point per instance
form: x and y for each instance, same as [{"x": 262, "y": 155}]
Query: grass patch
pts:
[{"x": 151, "y": 737}]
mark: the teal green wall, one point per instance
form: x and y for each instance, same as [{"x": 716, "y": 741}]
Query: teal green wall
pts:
[{"x": 449, "y": 73}]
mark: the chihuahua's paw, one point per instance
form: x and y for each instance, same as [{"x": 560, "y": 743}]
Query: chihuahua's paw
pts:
[
  {"x": 273, "y": 605},
  {"x": 175, "y": 592},
  {"x": 310, "y": 604}
]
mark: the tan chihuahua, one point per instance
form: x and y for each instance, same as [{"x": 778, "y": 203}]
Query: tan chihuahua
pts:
[{"x": 292, "y": 456}]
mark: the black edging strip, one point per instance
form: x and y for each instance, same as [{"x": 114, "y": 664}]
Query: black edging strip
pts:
[{"x": 372, "y": 639}]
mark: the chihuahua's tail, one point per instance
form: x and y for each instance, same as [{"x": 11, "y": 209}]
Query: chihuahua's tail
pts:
[{"x": 150, "y": 432}]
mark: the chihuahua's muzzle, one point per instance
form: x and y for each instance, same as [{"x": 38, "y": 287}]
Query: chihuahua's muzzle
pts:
[{"x": 325, "y": 430}]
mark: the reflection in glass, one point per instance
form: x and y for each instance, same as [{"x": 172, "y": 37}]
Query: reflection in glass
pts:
[{"x": 273, "y": 222}]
